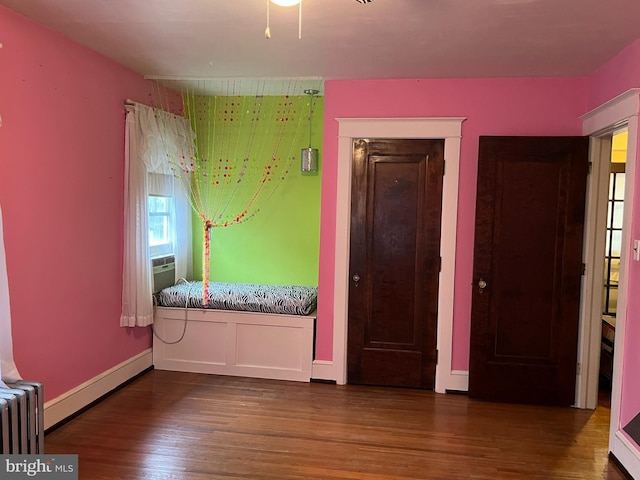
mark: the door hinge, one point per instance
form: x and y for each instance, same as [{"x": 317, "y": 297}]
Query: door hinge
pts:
[
  {"x": 440, "y": 264},
  {"x": 584, "y": 269},
  {"x": 437, "y": 355},
  {"x": 443, "y": 167},
  {"x": 590, "y": 165},
  {"x": 579, "y": 369}
]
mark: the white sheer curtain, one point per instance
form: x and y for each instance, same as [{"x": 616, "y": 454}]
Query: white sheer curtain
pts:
[
  {"x": 165, "y": 185},
  {"x": 183, "y": 234},
  {"x": 8, "y": 370},
  {"x": 152, "y": 138}
]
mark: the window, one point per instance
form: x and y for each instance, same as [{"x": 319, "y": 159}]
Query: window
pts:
[
  {"x": 614, "y": 239},
  {"x": 160, "y": 225},
  {"x": 161, "y": 215}
]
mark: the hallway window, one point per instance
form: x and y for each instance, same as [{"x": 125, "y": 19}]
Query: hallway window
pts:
[{"x": 614, "y": 238}]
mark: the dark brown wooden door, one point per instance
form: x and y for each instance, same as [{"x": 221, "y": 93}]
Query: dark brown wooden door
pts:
[
  {"x": 396, "y": 206},
  {"x": 528, "y": 257}
]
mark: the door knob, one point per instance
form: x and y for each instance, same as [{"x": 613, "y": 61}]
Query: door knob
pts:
[
  {"x": 356, "y": 279},
  {"x": 481, "y": 285}
]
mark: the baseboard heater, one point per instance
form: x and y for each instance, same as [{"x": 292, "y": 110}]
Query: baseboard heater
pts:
[{"x": 22, "y": 418}]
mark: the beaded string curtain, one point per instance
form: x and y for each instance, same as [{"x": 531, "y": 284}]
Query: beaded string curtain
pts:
[{"x": 246, "y": 145}]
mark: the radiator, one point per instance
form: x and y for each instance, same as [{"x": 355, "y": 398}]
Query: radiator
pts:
[{"x": 22, "y": 418}]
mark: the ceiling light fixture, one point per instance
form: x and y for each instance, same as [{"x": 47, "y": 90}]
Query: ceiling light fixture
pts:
[
  {"x": 309, "y": 160},
  {"x": 285, "y": 3}
]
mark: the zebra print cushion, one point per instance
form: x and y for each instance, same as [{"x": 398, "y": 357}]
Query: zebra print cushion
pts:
[{"x": 294, "y": 300}]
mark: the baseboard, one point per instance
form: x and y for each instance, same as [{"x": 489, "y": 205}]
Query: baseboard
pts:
[
  {"x": 323, "y": 370},
  {"x": 458, "y": 381},
  {"x": 626, "y": 453},
  {"x": 620, "y": 467},
  {"x": 234, "y": 370},
  {"x": 62, "y": 407}
]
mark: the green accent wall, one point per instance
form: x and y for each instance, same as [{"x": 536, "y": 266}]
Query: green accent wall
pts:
[{"x": 280, "y": 245}]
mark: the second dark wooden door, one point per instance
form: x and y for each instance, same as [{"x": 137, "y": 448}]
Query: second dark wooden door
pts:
[
  {"x": 394, "y": 262},
  {"x": 527, "y": 268}
]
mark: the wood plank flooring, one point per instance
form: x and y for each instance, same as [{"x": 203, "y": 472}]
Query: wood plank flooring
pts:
[{"x": 169, "y": 425}]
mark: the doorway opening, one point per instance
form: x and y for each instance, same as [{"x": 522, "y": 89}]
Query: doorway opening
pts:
[
  {"x": 612, "y": 254},
  {"x": 600, "y": 124}
]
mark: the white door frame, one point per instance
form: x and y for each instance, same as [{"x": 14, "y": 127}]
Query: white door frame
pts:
[
  {"x": 589, "y": 336},
  {"x": 600, "y": 124},
  {"x": 449, "y": 129}
]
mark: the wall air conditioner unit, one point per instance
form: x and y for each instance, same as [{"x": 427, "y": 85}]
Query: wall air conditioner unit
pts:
[{"x": 164, "y": 272}]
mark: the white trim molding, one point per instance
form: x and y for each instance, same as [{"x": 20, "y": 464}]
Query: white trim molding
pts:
[
  {"x": 67, "y": 404},
  {"x": 322, "y": 370},
  {"x": 589, "y": 335},
  {"x": 626, "y": 453},
  {"x": 458, "y": 381},
  {"x": 449, "y": 129},
  {"x": 611, "y": 114},
  {"x": 600, "y": 122}
]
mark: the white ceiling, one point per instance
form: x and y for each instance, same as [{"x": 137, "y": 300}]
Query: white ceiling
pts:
[{"x": 343, "y": 39}]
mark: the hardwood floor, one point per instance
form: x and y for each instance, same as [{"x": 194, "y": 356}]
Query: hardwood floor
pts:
[{"x": 168, "y": 425}]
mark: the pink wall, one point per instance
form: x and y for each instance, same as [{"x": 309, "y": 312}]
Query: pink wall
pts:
[
  {"x": 615, "y": 77},
  {"x": 61, "y": 190},
  {"x": 527, "y": 106},
  {"x": 612, "y": 79}
]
